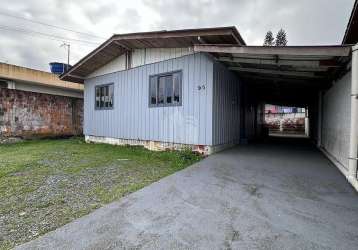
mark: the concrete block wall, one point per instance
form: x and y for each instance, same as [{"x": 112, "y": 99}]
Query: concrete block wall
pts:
[
  {"x": 29, "y": 114},
  {"x": 285, "y": 122}
]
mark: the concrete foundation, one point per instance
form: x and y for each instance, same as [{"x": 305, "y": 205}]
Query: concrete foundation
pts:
[{"x": 157, "y": 145}]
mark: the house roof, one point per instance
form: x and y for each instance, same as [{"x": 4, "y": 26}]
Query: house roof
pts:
[
  {"x": 120, "y": 43},
  {"x": 351, "y": 34},
  {"x": 26, "y": 75}
]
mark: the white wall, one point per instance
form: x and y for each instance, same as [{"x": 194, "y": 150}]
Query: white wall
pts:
[
  {"x": 336, "y": 114},
  {"x": 116, "y": 64},
  {"x": 141, "y": 57},
  {"x": 152, "y": 55}
]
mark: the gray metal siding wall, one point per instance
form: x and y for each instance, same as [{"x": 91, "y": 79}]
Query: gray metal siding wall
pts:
[
  {"x": 336, "y": 119},
  {"x": 131, "y": 117},
  {"x": 226, "y": 106}
]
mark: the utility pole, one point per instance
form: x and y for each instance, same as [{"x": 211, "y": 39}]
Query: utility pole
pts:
[{"x": 68, "y": 53}]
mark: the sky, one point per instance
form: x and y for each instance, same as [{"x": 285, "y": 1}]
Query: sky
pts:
[{"x": 306, "y": 22}]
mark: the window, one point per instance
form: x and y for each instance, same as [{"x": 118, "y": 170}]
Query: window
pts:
[
  {"x": 3, "y": 84},
  {"x": 104, "y": 96},
  {"x": 165, "y": 89}
]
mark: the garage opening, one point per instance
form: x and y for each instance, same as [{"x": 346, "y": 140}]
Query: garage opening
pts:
[{"x": 290, "y": 78}]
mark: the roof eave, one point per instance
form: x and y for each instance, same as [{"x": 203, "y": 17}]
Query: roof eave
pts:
[
  {"x": 93, "y": 52},
  {"x": 230, "y": 30}
]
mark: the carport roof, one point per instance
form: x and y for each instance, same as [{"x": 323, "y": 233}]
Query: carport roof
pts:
[
  {"x": 289, "y": 62},
  {"x": 290, "y": 75}
]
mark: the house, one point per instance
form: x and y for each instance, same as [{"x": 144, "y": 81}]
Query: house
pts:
[
  {"x": 35, "y": 103},
  {"x": 206, "y": 89},
  {"x": 153, "y": 89},
  {"x": 351, "y": 34}
]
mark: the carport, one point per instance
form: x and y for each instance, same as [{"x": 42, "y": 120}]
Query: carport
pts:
[{"x": 301, "y": 76}]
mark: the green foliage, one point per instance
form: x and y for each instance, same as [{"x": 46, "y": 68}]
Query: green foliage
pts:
[
  {"x": 269, "y": 39},
  {"x": 281, "y": 39}
]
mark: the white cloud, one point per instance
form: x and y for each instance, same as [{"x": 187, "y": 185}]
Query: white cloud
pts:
[{"x": 305, "y": 21}]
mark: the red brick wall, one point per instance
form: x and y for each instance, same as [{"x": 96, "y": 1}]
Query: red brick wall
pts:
[{"x": 28, "y": 114}]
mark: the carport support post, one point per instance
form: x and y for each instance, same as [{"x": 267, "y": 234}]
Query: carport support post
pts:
[
  {"x": 319, "y": 126},
  {"x": 353, "y": 148}
]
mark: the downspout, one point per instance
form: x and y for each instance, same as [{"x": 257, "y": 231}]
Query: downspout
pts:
[{"x": 353, "y": 147}]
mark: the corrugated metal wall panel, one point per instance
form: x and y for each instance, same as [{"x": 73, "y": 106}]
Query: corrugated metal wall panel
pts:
[
  {"x": 132, "y": 118},
  {"x": 336, "y": 119},
  {"x": 226, "y": 106},
  {"x": 97, "y": 121}
]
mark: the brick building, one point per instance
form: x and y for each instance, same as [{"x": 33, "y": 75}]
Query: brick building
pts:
[{"x": 35, "y": 103}]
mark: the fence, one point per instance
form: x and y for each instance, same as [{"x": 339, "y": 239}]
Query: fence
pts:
[{"x": 288, "y": 123}]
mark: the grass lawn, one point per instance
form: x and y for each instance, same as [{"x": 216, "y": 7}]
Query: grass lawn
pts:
[{"x": 45, "y": 184}]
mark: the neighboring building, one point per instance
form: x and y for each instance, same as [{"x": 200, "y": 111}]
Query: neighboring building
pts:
[
  {"x": 271, "y": 109},
  {"x": 351, "y": 34},
  {"x": 285, "y": 120},
  {"x": 274, "y": 109},
  {"x": 205, "y": 89},
  {"x": 35, "y": 103}
]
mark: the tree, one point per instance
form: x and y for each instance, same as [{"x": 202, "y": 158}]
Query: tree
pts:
[
  {"x": 281, "y": 39},
  {"x": 269, "y": 40}
]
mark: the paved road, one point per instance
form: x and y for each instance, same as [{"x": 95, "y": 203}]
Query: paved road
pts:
[{"x": 265, "y": 196}]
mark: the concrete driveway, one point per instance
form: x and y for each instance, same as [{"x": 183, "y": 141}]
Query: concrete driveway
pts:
[{"x": 264, "y": 196}]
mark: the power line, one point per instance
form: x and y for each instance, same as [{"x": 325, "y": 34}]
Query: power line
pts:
[
  {"x": 34, "y": 35},
  {"x": 50, "y": 25},
  {"x": 54, "y": 37}
]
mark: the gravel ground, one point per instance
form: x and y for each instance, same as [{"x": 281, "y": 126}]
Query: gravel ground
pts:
[
  {"x": 8, "y": 140},
  {"x": 45, "y": 184}
]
